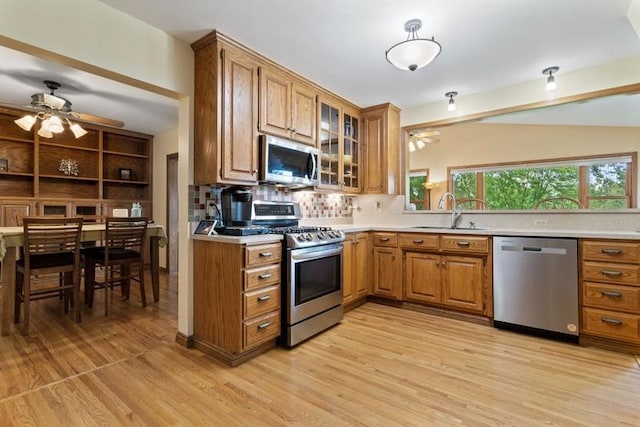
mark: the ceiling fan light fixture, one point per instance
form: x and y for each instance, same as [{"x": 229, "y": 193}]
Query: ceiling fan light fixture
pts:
[
  {"x": 53, "y": 124},
  {"x": 414, "y": 52},
  {"x": 412, "y": 147},
  {"x": 452, "y": 103},
  {"x": 45, "y": 132},
  {"x": 551, "y": 80},
  {"x": 77, "y": 130},
  {"x": 26, "y": 122}
]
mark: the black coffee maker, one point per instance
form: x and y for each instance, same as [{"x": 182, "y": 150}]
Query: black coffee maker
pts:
[{"x": 237, "y": 203}]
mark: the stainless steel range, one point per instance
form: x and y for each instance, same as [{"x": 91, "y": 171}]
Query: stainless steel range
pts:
[
  {"x": 312, "y": 282},
  {"x": 311, "y": 273}
]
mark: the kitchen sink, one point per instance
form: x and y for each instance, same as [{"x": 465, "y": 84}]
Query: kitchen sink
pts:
[{"x": 435, "y": 227}]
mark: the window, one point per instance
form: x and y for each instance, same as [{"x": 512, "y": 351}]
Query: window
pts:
[
  {"x": 602, "y": 182},
  {"x": 418, "y": 194}
]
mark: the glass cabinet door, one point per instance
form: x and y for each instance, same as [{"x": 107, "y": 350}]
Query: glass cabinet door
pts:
[
  {"x": 351, "y": 153},
  {"x": 329, "y": 145}
]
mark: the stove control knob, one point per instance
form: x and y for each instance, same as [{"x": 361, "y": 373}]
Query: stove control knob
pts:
[
  {"x": 309, "y": 237},
  {"x": 322, "y": 235},
  {"x": 332, "y": 233},
  {"x": 300, "y": 238}
]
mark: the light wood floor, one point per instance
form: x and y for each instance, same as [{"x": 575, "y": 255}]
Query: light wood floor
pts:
[{"x": 381, "y": 366}]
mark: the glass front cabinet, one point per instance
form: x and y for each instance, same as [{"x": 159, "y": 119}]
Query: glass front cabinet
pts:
[{"x": 339, "y": 137}]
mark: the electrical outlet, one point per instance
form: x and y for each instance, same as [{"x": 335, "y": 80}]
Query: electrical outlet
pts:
[
  {"x": 378, "y": 206},
  {"x": 539, "y": 222}
]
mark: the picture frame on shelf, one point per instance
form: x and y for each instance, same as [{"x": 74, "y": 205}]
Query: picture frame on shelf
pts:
[
  {"x": 4, "y": 165},
  {"x": 126, "y": 174}
]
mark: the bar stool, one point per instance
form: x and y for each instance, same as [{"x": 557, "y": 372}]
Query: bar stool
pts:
[
  {"x": 124, "y": 247},
  {"x": 51, "y": 245}
]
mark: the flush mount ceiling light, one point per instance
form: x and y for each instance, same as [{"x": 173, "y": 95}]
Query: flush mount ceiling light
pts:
[
  {"x": 54, "y": 112},
  {"x": 452, "y": 103},
  {"x": 414, "y": 52},
  {"x": 551, "y": 81}
]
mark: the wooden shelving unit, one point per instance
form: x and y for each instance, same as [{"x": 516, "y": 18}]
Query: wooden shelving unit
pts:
[{"x": 113, "y": 171}]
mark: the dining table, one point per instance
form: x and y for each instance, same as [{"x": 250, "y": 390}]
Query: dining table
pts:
[{"x": 12, "y": 239}]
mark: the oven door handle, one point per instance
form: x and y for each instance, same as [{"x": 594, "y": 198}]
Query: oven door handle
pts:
[{"x": 306, "y": 256}]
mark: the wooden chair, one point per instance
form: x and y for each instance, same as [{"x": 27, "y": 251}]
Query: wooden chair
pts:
[
  {"x": 124, "y": 247},
  {"x": 51, "y": 246},
  {"x": 561, "y": 202},
  {"x": 470, "y": 204}
]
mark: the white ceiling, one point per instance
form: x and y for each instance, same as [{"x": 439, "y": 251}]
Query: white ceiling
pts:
[{"x": 340, "y": 45}]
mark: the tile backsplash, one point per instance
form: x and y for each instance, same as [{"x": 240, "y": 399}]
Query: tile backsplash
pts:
[{"x": 312, "y": 204}]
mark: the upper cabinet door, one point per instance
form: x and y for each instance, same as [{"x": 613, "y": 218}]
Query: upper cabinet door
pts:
[
  {"x": 275, "y": 110},
  {"x": 303, "y": 119},
  {"x": 287, "y": 107},
  {"x": 239, "y": 115}
]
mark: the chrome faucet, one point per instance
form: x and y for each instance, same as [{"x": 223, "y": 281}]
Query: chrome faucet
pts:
[{"x": 455, "y": 213}]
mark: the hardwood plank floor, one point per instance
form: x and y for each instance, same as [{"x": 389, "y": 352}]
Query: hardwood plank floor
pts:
[{"x": 382, "y": 366}]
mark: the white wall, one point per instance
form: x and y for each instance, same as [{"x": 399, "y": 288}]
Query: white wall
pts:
[
  {"x": 163, "y": 144},
  {"x": 618, "y": 73}
]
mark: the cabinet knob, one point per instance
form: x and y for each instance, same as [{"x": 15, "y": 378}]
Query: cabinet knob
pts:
[{"x": 255, "y": 172}]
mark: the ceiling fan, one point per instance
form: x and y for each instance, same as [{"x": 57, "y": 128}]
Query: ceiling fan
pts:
[
  {"x": 54, "y": 111},
  {"x": 420, "y": 138}
]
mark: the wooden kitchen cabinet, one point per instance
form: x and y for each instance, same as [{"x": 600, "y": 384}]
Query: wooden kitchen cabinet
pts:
[
  {"x": 450, "y": 271},
  {"x": 236, "y": 298},
  {"x": 226, "y": 112},
  {"x": 382, "y": 150},
  {"x": 340, "y": 148},
  {"x": 355, "y": 267},
  {"x": 287, "y": 106},
  {"x": 387, "y": 276},
  {"x": 610, "y": 288},
  {"x": 12, "y": 212}
]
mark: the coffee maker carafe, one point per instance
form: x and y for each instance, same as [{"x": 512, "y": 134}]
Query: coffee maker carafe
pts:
[{"x": 237, "y": 203}]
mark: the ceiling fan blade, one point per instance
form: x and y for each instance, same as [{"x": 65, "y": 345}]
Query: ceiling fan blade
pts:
[{"x": 97, "y": 119}]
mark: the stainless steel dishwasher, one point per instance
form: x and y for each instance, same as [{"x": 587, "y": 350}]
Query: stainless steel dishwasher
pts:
[{"x": 535, "y": 285}]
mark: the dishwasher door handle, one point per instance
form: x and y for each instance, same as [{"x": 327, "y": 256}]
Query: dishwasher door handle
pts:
[{"x": 534, "y": 249}]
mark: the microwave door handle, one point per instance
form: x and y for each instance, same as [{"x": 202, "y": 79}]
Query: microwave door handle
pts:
[{"x": 313, "y": 166}]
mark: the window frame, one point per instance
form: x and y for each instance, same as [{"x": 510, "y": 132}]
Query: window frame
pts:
[{"x": 583, "y": 175}]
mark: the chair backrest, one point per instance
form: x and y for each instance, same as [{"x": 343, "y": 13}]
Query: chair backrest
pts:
[
  {"x": 126, "y": 233},
  {"x": 561, "y": 202},
  {"x": 48, "y": 236}
]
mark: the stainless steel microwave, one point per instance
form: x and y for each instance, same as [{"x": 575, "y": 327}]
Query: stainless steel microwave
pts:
[{"x": 287, "y": 162}]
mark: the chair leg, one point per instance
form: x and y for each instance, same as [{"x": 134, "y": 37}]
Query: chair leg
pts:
[
  {"x": 26, "y": 292},
  {"x": 89, "y": 280},
  {"x": 143, "y": 296},
  {"x": 18, "y": 297},
  {"x": 107, "y": 288},
  {"x": 67, "y": 278},
  {"x": 75, "y": 300}
]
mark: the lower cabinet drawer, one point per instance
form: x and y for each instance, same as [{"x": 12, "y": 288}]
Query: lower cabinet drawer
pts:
[
  {"x": 261, "y": 276},
  {"x": 262, "y": 329},
  {"x": 625, "y": 298},
  {"x": 465, "y": 243},
  {"x": 611, "y": 324},
  {"x": 609, "y": 272},
  {"x": 261, "y": 301}
]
